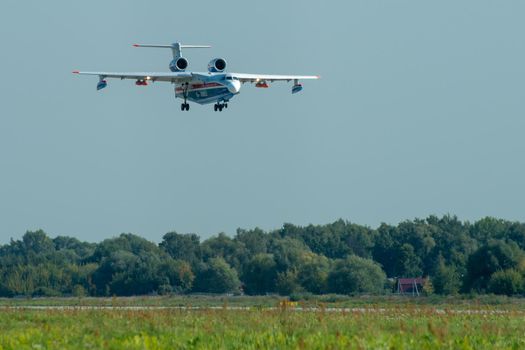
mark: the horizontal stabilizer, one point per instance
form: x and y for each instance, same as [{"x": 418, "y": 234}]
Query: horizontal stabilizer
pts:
[
  {"x": 172, "y": 45},
  {"x": 175, "y": 47}
]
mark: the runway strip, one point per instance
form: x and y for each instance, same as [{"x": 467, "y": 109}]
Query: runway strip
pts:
[{"x": 250, "y": 308}]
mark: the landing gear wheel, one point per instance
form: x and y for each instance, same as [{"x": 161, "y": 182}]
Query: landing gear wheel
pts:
[
  {"x": 182, "y": 106},
  {"x": 187, "y": 106},
  {"x": 225, "y": 105},
  {"x": 215, "y": 107},
  {"x": 220, "y": 108}
]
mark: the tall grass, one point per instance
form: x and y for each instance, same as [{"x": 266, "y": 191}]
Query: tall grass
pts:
[{"x": 259, "y": 328}]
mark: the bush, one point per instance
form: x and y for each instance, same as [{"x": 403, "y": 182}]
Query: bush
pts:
[
  {"x": 333, "y": 298},
  {"x": 260, "y": 275},
  {"x": 506, "y": 282},
  {"x": 217, "y": 277},
  {"x": 356, "y": 275},
  {"x": 493, "y": 257},
  {"x": 287, "y": 283},
  {"x": 165, "y": 289},
  {"x": 302, "y": 296},
  {"x": 79, "y": 291},
  {"x": 446, "y": 280},
  {"x": 46, "y": 292}
]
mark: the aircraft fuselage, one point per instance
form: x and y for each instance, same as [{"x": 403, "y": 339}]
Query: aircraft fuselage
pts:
[{"x": 207, "y": 88}]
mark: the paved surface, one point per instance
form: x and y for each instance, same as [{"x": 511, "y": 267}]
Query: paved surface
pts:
[{"x": 248, "y": 308}]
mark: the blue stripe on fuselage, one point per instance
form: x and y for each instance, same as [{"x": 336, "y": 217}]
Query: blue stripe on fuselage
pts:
[{"x": 211, "y": 95}]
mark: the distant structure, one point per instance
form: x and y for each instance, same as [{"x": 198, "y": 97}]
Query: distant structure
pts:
[{"x": 410, "y": 286}]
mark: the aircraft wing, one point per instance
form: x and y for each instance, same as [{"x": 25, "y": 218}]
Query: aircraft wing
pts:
[
  {"x": 269, "y": 77},
  {"x": 146, "y": 76}
]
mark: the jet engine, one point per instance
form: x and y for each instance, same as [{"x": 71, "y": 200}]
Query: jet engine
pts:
[
  {"x": 217, "y": 65},
  {"x": 178, "y": 64}
]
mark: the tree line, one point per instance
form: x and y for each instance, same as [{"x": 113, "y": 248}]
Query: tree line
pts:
[{"x": 487, "y": 256}]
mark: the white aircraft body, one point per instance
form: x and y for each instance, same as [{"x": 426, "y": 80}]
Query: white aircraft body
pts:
[{"x": 214, "y": 86}]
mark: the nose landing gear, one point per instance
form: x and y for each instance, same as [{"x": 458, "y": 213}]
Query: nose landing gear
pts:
[{"x": 185, "y": 106}]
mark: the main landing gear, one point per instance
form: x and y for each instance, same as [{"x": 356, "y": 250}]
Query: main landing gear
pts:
[
  {"x": 219, "y": 106},
  {"x": 185, "y": 106}
]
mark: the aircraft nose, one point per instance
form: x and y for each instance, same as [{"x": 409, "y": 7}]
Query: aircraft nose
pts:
[{"x": 233, "y": 86}]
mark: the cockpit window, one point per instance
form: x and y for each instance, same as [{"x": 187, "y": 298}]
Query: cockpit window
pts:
[{"x": 229, "y": 78}]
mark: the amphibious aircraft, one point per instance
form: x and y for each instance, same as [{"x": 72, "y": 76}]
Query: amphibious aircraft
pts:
[{"x": 214, "y": 86}]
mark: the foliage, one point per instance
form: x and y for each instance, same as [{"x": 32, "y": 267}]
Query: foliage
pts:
[
  {"x": 494, "y": 256},
  {"x": 182, "y": 247},
  {"x": 287, "y": 283},
  {"x": 507, "y": 282},
  {"x": 356, "y": 275},
  {"x": 446, "y": 280},
  {"x": 343, "y": 257},
  {"x": 260, "y": 275},
  {"x": 217, "y": 276},
  {"x": 312, "y": 273}
]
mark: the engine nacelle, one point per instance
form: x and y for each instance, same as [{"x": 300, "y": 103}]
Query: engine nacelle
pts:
[
  {"x": 217, "y": 65},
  {"x": 178, "y": 64}
]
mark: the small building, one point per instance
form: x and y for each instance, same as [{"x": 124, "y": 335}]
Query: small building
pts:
[{"x": 410, "y": 286}]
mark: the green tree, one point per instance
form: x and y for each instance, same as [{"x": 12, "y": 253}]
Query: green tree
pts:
[
  {"x": 125, "y": 242},
  {"x": 80, "y": 250},
  {"x": 79, "y": 291},
  {"x": 507, "y": 282},
  {"x": 287, "y": 252},
  {"x": 446, "y": 280},
  {"x": 260, "y": 275},
  {"x": 312, "y": 273},
  {"x": 495, "y": 256},
  {"x": 37, "y": 242},
  {"x": 182, "y": 247},
  {"x": 217, "y": 277},
  {"x": 224, "y": 247},
  {"x": 516, "y": 233},
  {"x": 335, "y": 240},
  {"x": 356, "y": 275},
  {"x": 408, "y": 263},
  {"x": 177, "y": 274},
  {"x": 385, "y": 250},
  {"x": 489, "y": 228},
  {"x": 255, "y": 241},
  {"x": 485, "y": 256},
  {"x": 287, "y": 283}
]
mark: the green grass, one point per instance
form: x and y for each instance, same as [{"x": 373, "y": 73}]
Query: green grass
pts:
[{"x": 397, "y": 327}]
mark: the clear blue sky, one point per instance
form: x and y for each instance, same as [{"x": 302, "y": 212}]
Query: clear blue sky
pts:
[{"x": 420, "y": 111}]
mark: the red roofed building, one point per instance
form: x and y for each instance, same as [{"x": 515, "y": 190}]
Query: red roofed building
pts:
[{"x": 413, "y": 286}]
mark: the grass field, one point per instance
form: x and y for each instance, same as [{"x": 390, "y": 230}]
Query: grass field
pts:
[{"x": 394, "y": 325}]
